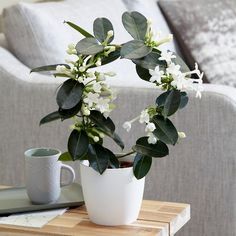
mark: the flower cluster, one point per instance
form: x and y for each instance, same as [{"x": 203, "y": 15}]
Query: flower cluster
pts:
[
  {"x": 97, "y": 94},
  {"x": 173, "y": 77}
]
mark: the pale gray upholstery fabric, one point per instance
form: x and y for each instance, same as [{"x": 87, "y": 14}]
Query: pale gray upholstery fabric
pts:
[
  {"x": 200, "y": 170},
  {"x": 36, "y": 33},
  {"x": 3, "y": 42}
]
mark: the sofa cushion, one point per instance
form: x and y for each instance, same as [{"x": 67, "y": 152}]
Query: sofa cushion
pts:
[
  {"x": 206, "y": 31},
  {"x": 37, "y": 36}
]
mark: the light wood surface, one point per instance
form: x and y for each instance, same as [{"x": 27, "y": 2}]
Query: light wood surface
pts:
[{"x": 156, "y": 218}]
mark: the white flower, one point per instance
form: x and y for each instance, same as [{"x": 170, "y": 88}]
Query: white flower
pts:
[
  {"x": 144, "y": 117},
  {"x": 150, "y": 127},
  {"x": 98, "y": 62},
  {"x": 85, "y": 111},
  {"x": 97, "y": 87},
  {"x": 71, "y": 49},
  {"x": 173, "y": 69},
  {"x": 91, "y": 98},
  {"x": 127, "y": 126},
  {"x": 166, "y": 56},
  {"x": 152, "y": 138},
  {"x": 180, "y": 82},
  {"x": 110, "y": 33},
  {"x": 101, "y": 77},
  {"x": 95, "y": 139},
  {"x": 61, "y": 69},
  {"x": 156, "y": 74},
  {"x": 82, "y": 68},
  {"x": 103, "y": 105},
  {"x": 181, "y": 135}
]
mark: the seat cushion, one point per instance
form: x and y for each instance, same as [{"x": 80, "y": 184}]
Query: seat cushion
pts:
[
  {"x": 206, "y": 31},
  {"x": 37, "y": 36}
]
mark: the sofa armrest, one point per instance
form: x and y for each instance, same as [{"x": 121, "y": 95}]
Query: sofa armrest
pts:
[{"x": 9, "y": 64}]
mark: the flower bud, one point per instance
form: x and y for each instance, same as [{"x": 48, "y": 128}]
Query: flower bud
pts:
[
  {"x": 110, "y": 33},
  {"x": 82, "y": 68},
  {"x": 95, "y": 139},
  {"x": 182, "y": 135}
]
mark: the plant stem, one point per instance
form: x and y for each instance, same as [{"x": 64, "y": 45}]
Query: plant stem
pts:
[{"x": 126, "y": 154}]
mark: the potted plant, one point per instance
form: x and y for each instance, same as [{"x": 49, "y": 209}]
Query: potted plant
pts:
[{"x": 112, "y": 189}]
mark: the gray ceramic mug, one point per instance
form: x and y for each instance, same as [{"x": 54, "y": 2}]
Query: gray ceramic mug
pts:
[{"x": 43, "y": 175}]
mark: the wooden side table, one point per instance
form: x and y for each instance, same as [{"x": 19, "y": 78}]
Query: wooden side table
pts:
[{"x": 156, "y": 218}]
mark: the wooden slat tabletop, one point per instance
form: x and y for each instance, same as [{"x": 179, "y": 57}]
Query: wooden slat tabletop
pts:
[{"x": 156, "y": 218}]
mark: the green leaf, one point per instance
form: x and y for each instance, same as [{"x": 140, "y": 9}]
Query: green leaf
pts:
[
  {"x": 135, "y": 24},
  {"x": 111, "y": 57},
  {"x": 165, "y": 130},
  {"x": 48, "y": 68},
  {"x": 65, "y": 157},
  {"x": 134, "y": 49},
  {"x": 179, "y": 61},
  {"x": 69, "y": 94},
  {"x": 68, "y": 113},
  {"x": 159, "y": 149},
  {"x": 78, "y": 144},
  {"x": 117, "y": 139},
  {"x": 143, "y": 73},
  {"x": 142, "y": 165},
  {"x": 103, "y": 123},
  {"x": 113, "y": 160},
  {"x": 161, "y": 99},
  {"x": 184, "y": 100},
  {"x": 101, "y": 26},
  {"x": 98, "y": 157},
  {"x": 61, "y": 75},
  {"x": 89, "y": 46},
  {"x": 79, "y": 29},
  {"x": 151, "y": 61},
  {"x": 172, "y": 103},
  {"x": 50, "y": 117}
]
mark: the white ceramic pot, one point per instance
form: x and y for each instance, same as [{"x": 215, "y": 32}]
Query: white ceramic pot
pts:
[{"x": 113, "y": 198}]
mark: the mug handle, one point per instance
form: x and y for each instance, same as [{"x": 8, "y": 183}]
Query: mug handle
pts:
[{"x": 72, "y": 174}]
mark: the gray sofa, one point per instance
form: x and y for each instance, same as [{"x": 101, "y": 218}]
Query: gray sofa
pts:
[{"x": 200, "y": 170}]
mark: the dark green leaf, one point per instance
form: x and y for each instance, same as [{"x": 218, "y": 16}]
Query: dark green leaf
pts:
[
  {"x": 61, "y": 75},
  {"x": 165, "y": 130},
  {"x": 134, "y": 49},
  {"x": 79, "y": 29},
  {"x": 103, "y": 123},
  {"x": 111, "y": 57},
  {"x": 143, "y": 73},
  {"x": 69, "y": 94},
  {"x": 68, "y": 113},
  {"x": 172, "y": 103},
  {"x": 154, "y": 150},
  {"x": 98, "y": 157},
  {"x": 101, "y": 26},
  {"x": 183, "y": 100},
  {"x": 117, "y": 139},
  {"x": 142, "y": 165},
  {"x": 150, "y": 61},
  {"x": 179, "y": 61},
  {"x": 88, "y": 46},
  {"x": 48, "y": 68},
  {"x": 135, "y": 24},
  {"x": 50, "y": 117},
  {"x": 161, "y": 99},
  {"x": 65, "y": 157},
  {"x": 113, "y": 160},
  {"x": 78, "y": 144}
]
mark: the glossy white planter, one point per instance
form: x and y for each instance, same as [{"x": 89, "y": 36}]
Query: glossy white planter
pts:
[{"x": 113, "y": 198}]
